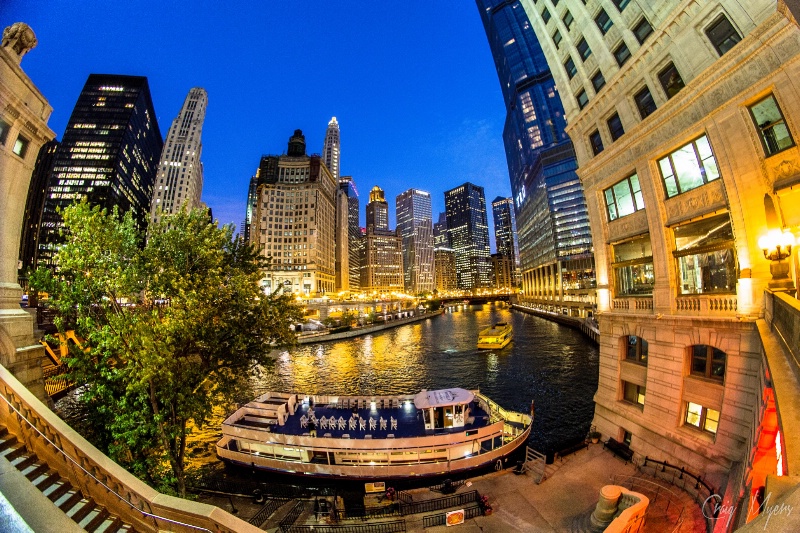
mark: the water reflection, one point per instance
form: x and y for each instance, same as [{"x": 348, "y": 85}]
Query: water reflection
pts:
[{"x": 548, "y": 363}]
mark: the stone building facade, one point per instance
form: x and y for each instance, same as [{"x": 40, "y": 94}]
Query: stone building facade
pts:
[{"x": 684, "y": 117}]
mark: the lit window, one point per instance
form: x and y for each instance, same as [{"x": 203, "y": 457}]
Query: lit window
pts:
[
  {"x": 598, "y": 81},
  {"x": 706, "y": 257},
  {"x": 622, "y": 54},
  {"x": 615, "y": 127},
  {"x": 775, "y": 136},
  {"x": 723, "y": 35},
  {"x": 633, "y": 267},
  {"x": 644, "y": 102},
  {"x": 596, "y": 141},
  {"x": 583, "y": 49},
  {"x": 20, "y": 146},
  {"x": 688, "y": 167},
  {"x": 569, "y": 66},
  {"x": 642, "y": 30},
  {"x": 624, "y": 198},
  {"x": 634, "y": 393},
  {"x": 635, "y": 349},
  {"x": 702, "y": 417},
  {"x": 603, "y": 21},
  {"x": 671, "y": 80}
]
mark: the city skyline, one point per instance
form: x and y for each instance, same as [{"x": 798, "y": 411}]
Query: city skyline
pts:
[{"x": 404, "y": 122}]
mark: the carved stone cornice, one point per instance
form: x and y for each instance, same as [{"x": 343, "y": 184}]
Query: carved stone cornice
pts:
[{"x": 697, "y": 202}]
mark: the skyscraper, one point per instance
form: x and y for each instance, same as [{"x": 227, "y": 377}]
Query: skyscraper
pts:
[
  {"x": 250, "y": 211},
  {"x": 413, "y": 211},
  {"x": 469, "y": 235},
  {"x": 377, "y": 210},
  {"x": 180, "y": 171},
  {"x": 505, "y": 228},
  {"x": 348, "y": 236},
  {"x": 381, "y": 253},
  {"x": 109, "y": 154},
  {"x": 295, "y": 220},
  {"x": 441, "y": 238},
  {"x": 34, "y": 205},
  {"x": 554, "y": 237},
  {"x": 330, "y": 148}
]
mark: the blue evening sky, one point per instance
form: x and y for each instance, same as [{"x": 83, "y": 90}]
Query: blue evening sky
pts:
[{"x": 411, "y": 83}]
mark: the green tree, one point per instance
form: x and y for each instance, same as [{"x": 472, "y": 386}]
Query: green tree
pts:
[{"x": 171, "y": 327}]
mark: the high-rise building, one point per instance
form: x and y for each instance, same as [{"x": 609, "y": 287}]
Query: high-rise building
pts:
[
  {"x": 252, "y": 201},
  {"x": 348, "y": 213},
  {"x": 34, "y": 205},
  {"x": 180, "y": 171},
  {"x": 413, "y": 212},
  {"x": 381, "y": 252},
  {"x": 295, "y": 220},
  {"x": 684, "y": 123},
  {"x": 109, "y": 154},
  {"x": 505, "y": 231},
  {"x": 24, "y": 113},
  {"x": 502, "y": 271},
  {"x": 445, "y": 270},
  {"x": 330, "y": 148},
  {"x": 441, "y": 239},
  {"x": 469, "y": 235},
  {"x": 555, "y": 246}
]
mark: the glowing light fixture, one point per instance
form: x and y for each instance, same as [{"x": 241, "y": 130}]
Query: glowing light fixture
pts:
[{"x": 777, "y": 246}]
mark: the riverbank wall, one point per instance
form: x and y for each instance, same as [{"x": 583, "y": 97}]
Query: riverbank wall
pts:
[
  {"x": 356, "y": 332},
  {"x": 586, "y": 326}
]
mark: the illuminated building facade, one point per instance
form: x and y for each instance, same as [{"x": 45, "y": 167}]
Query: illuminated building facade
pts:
[
  {"x": 295, "y": 219},
  {"x": 109, "y": 154},
  {"x": 445, "y": 270},
  {"x": 441, "y": 238},
  {"x": 413, "y": 211},
  {"x": 330, "y": 148},
  {"x": 684, "y": 118},
  {"x": 555, "y": 246},
  {"x": 252, "y": 203},
  {"x": 381, "y": 250},
  {"x": 348, "y": 236},
  {"x": 502, "y": 271},
  {"x": 469, "y": 235},
  {"x": 180, "y": 171},
  {"x": 505, "y": 234}
]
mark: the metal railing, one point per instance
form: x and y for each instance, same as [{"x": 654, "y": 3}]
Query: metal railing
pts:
[
  {"x": 437, "y": 504},
  {"x": 441, "y": 518},
  {"x": 658, "y": 493},
  {"x": 395, "y": 526},
  {"x": 269, "y": 507}
]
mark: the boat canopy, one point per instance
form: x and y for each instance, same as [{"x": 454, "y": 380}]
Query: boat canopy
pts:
[{"x": 442, "y": 398}]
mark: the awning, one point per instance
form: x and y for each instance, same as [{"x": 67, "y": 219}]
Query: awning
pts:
[{"x": 442, "y": 398}]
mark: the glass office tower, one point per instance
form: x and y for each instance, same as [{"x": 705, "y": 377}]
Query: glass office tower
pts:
[{"x": 469, "y": 235}]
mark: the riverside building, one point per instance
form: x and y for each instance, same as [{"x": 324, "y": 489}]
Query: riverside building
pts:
[
  {"x": 555, "y": 245},
  {"x": 294, "y": 221},
  {"x": 330, "y": 148},
  {"x": 180, "y": 171},
  {"x": 413, "y": 211},
  {"x": 469, "y": 235},
  {"x": 505, "y": 236},
  {"x": 108, "y": 154},
  {"x": 684, "y": 118},
  {"x": 348, "y": 236},
  {"x": 381, "y": 250}
]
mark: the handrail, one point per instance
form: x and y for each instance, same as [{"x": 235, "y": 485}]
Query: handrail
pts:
[
  {"x": 155, "y": 517},
  {"x": 698, "y": 480},
  {"x": 621, "y": 479}
]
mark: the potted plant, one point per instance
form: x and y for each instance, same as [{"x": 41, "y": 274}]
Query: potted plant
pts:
[
  {"x": 390, "y": 494},
  {"x": 594, "y": 436},
  {"x": 484, "y": 505}
]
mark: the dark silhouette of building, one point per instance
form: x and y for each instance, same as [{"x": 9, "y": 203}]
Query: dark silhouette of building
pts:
[{"x": 34, "y": 205}]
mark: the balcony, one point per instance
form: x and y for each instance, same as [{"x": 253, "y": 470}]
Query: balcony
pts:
[{"x": 707, "y": 305}]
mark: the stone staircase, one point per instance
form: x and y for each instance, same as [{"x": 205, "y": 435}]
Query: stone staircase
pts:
[{"x": 83, "y": 511}]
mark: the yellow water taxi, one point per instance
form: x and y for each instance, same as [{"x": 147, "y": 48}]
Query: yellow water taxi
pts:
[{"x": 496, "y": 337}]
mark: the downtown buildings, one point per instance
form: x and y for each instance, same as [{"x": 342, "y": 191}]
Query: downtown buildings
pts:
[
  {"x": 331, "y": 150},
  {"x": 506, "y": 244},
  {"x": 348, "y": 236},
  {"x": 413, "y": 211},
  {"x": 294, "y": 221},
  {"x": 684, "y": 118},
  {"x": 468, "y": 231},
  {"x": 180, "y": 171},
  {"x": 381, "y": 249},
  {"x": 108, "y": 154},
  {"x": 555, "y": 245}
]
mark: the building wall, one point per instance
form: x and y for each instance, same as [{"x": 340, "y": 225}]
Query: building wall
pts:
[
  {"x": 469, "y": 235},
  {"x": 446, "y": 279},
  {"x": 382, "y": 262},
  {"x": 413, "y": 212}
]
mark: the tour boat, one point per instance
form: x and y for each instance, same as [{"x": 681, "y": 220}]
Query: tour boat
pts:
[
  {"x": 431, "y": 433},
  {"x": 495, "y": 337}
]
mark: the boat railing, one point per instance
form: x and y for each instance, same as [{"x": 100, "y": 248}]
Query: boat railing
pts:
[{"x": 498, "y": 413}]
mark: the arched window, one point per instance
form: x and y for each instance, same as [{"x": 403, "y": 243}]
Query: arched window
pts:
[
  {"x": 635, "y": 349},
  {"x": 708, "y": 362}
]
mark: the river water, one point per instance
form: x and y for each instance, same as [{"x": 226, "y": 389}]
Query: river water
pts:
[{"x": 552, "y": 365}]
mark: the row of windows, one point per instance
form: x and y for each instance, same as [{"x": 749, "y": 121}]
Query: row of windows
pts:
[{"x": 20, "y": 147}]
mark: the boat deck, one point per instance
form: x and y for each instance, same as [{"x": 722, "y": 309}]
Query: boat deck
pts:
[{"x": 409, "y": 422}]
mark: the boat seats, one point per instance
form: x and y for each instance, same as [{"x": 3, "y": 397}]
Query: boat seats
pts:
[
  {"x": 372, "y": 424},
  {"x": 362, "y": 424},
  {"x": 383, "y": 424},
  {"x": 341, "y": 423},
  {"x": 393, "y": 422},
  {"x": 303, "y": 421}
]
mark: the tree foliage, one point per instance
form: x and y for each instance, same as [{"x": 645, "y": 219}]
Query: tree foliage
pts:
[{"x": 172, "y": 326}]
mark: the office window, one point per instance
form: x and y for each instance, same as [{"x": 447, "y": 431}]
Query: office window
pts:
[
  {"x": 583, "y": 49},
  {"x": 545, "y": 15},
  {"x": 622, "y": 54},
  {"x": 702, "y": 417},
  {"x": 582, "y": 99},
  {"x": 598, "y": 81},
  {"x": 621, "y": 4},
  {"x": 615, "y": 127},
  {"x": 635, "y": 349},
  {"x": 708, "y": 362},
  {"x": 596, "y": 141},
  {"x": 671, "y": 80},
  {"x": 557, "y": 39},
  {"x": 568, "y": 20},
  {"x": 634, "y": 393},
  {"x": 723, "y": 35},
  {"x": 603, "y": 21},
  {"x": 20, "y": 146},
  {"x": 688, "y": 167},
  {"x": 642, "y": 30},
  {"x": 4, "y": 129},
  {"x": 633, "y": 267},
  {"x": 624, "y": 198},
  {"x": 775, "y": 136},
  {"x": 569, "y": 66},
  {"x": 644, "y": 102},
  {"x": 705, "y": 256}
]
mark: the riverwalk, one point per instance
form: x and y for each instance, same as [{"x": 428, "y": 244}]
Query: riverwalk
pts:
[{"x": 312, "y": 338}]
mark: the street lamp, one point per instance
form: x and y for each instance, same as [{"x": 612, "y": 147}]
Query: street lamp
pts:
[{"x": 777, "y": 246}]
